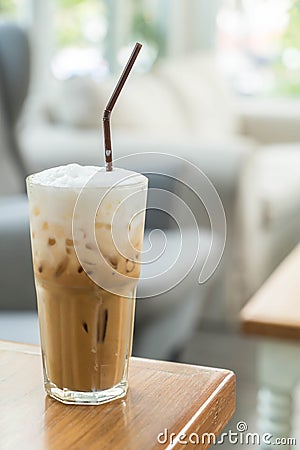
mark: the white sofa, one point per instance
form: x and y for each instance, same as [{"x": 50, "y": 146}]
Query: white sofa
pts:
[
  {"x": 180, "y": 108},
  {"x": 184, "y": 108}
]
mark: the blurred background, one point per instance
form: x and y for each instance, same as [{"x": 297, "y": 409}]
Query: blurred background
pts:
[
  {"x": 218, "y": 83},
  {"x": 256, "y": 42}
]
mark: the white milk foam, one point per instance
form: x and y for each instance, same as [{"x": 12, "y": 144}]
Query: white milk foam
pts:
[{"x": 76, "y": 176}]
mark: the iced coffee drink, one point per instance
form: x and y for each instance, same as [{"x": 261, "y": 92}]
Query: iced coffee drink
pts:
[{"x": 86, "y": 267}]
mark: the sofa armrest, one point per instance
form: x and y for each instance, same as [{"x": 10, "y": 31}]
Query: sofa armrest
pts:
[
  {"x": 270, "y": 121},
  {"x": 16, "y": 274}
]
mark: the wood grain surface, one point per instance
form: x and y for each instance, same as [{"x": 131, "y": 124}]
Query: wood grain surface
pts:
[
  {"x": 178, "y": 397},
  {"x": 274, "y": 311}
]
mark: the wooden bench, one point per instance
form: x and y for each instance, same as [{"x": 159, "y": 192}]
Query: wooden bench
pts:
[{"x": 274, "y": 314}]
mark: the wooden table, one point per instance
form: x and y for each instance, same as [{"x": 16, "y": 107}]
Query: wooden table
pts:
[
  {"x": 274, "y": 314},
  {"x": 178, "y": 397}
]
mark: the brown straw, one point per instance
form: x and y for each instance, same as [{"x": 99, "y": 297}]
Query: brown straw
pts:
[{"x": 111, "y": 104}]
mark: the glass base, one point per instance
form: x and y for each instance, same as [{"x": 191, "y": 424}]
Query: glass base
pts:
[{"x": 86, "y": 398}]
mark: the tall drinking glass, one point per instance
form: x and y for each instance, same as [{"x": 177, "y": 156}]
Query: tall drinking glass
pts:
[{"x": 86, "y": 265}]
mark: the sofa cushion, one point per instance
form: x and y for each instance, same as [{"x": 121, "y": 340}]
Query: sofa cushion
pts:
[
  {"x": 270, "y": 210},
  {"x": 204, "y": 97},
  {"x": 179, "y": 97},
  {"x": 145, "y": 104},
  {"x": 278, "y": 178},
  {"x": 75, "y": 102}
]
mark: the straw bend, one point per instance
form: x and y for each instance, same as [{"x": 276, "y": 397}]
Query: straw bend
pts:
[{"x": 106, "y": 115}]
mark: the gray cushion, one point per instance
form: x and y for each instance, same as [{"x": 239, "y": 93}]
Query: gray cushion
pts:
[
  {"x": 11, "y": 181},
  {"x": 14, "y": 79},
  {"x": 14, "y": 64}
]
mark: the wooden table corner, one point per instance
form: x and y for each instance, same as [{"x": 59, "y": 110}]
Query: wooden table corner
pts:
[{"x": 163, "y": 398}]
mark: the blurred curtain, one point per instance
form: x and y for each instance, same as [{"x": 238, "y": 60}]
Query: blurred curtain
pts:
[
  {"x": 191, "y": 25},
  {"x": 119, "y": 20},
  {"x": 185, "y": 25},
  {"x": 41, "y": 34}
]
